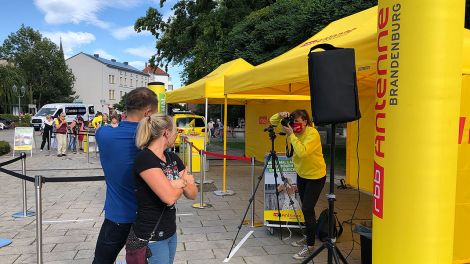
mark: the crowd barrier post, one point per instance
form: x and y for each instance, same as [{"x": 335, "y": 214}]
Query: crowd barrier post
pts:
[
  {"x": 190, "y": 160},
  {"x": 88, "y": 147},
  {"x": 202, "y": 174},
  {"x": 96, "y": 145},
  {"x": 38, "y": 182},
  {"x": 183, "y": 147},
  {"x": 24, "y": 212}
]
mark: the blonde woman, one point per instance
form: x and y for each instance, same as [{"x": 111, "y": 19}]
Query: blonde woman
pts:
[
  {"x": 160, "y": 180},
  {"x": 61, "y": 135}
]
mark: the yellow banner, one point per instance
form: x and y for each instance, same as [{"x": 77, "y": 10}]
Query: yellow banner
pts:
[
  {"x": 419, "y": 64},
  {"x": 286, "y": 215}
]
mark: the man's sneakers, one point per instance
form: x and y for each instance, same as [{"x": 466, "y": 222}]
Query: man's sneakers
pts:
[
  {"x": 304, "y": 252},
  {"x": 300, "y": 243}
]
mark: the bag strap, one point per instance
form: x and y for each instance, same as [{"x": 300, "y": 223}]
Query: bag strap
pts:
[
  {"x": 323, "y": 46},
  {"x": 156, "y": 225}
]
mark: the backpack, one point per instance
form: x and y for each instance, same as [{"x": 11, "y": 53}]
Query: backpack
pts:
[{"x": 322, "y": 226}]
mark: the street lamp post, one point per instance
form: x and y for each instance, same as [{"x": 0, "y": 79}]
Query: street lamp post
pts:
[{"x": 20, "y": 93}]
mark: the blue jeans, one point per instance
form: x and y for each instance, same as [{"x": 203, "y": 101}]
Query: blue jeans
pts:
[
  {"x": 111, "y": 240},
  {"x": 163, "y": 252}
]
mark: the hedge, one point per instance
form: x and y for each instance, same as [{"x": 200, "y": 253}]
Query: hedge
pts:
[{"x": 4, "y": 147}]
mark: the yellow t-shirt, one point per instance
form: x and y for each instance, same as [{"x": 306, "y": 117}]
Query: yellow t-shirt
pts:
[
  {"x": 308, "y": 155},
  {"x": 96, "y": 120}
]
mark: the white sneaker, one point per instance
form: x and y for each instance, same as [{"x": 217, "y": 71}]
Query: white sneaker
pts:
[
  {"x": 303, "y": 253},
  {"x": 299, "y": 243}
]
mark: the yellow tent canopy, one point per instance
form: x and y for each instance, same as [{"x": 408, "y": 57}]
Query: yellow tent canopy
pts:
[{"x": 211, "y": 86}]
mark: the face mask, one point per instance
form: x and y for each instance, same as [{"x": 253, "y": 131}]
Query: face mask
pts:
[{"x": 297, "y": 127}]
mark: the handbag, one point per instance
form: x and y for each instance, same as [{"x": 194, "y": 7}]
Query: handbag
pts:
[{"x": 137, "y": 249}]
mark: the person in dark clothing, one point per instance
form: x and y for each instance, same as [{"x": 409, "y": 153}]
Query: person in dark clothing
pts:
[
  {"x": 160, "y": 180},
  {"x": 47, "y": 132}
]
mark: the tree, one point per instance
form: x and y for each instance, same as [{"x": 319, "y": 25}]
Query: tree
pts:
[
  {"x": 9, "y": 76},
  {"x": 121, "y": 106},
  {"x": 46, "y": 76},
  {"x": 203, "y": 34}
]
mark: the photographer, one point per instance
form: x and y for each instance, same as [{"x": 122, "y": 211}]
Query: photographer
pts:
[{"x": 310, "y": 167}]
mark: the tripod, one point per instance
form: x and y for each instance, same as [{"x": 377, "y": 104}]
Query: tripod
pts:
[
  {"x": 274, "y": 162},
  {"x": 329, "y": 244}
]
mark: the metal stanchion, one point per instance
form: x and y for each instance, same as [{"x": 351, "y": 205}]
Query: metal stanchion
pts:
[
  {"x": 88, "y": 147},
  {"x": 183, "y": 147},
  {"x": 25, "y": 212},
  {"x": 38, "y": 186},
  {"x": 202, "y": 173},
  {"x": 96, "y": 145}
]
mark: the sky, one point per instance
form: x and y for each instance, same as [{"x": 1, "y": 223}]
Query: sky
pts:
[{"x": 105, "y": 27}]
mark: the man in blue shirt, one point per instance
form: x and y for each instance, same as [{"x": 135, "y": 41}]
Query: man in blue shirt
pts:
[{"x": 117, "y": 154}]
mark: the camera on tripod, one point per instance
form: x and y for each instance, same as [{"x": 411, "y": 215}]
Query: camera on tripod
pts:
[{"x": 288, "y": 121}]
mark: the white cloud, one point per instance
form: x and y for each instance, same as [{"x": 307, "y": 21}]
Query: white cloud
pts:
[
  {"x": 126, "y": 32},
  {"x": 137, "y": 64},
  {"x": 78, "y": 11},
  {"x": 104, "y": 54},
  {"x": 70, "y": 40},
  {"x": 144, "y": 51}
]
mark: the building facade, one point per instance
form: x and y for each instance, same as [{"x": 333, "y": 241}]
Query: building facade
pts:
[
  {"x": 158, "y": 75},
  {"x": 103, "y": 82}
]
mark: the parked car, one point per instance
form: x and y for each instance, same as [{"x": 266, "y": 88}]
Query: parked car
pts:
[
  {"x": 5, "y": 123},
  {"x": 190, "y": 124}
]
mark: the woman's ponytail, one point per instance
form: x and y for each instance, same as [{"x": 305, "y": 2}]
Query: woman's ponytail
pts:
[{"x": 144, "y": 133}]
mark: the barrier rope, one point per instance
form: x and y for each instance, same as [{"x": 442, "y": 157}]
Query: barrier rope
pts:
[
  {"x": 74, "y": 179},
  {"x": 196, "y": 148},
  {"x": 11, "y": 161},
  {"x": 17, "y": 175},
  {"x": 230, "y": 157}
]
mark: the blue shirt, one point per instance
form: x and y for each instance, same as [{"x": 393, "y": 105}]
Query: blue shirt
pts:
[{"x": 117, "y": 155}]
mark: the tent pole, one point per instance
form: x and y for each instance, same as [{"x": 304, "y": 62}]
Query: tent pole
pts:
[
  {"x": 207, "y": 120},
  {"x": 225, "y": 145}
]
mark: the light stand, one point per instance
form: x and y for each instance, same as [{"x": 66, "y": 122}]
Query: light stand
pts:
[
  {"x": 330, "y": 243},
  {"x": 20, "y": 93}
]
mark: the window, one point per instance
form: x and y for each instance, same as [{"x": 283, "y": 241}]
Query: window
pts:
[
  {"x": 109, "y": 78},
  {"x": 120, "y": 81},
  {"x": 120, "y": 72},
  {"x": 125, "y": 81},
  {"x": 111, "y": 94},
  {"x": 190, "y": 121},
  {"x": 112, "y": 78},
  {"x": 121, "y": 93},
  {"x": 75, "y": 110}
]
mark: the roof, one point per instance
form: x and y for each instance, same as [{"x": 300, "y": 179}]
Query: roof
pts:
[
  {"x": 155, "y": 70},
  {"x": 113, "y": 64}
]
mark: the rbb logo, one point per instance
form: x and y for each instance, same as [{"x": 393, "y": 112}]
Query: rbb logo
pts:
[
  {"x": 462, "y": 122},
  {"x": 378, "y": 190}
]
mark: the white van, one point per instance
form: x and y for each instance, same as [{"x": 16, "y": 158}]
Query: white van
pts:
[{"x": 71, "y": 112}]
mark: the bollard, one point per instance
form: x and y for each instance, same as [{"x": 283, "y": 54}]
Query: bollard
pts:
[
  {"x": 38, "y": 181},
  {"x": 24, "y": 212}
]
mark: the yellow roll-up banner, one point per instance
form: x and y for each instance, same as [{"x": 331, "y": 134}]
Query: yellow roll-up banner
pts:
[
  {"x": 419, "y": 60},
  {"x": 159, "y": 89}
]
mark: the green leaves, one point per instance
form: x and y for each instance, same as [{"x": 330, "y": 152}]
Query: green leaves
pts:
[
  {"x": 37, "y": 63},
  {"x": 203, "y": 34}
]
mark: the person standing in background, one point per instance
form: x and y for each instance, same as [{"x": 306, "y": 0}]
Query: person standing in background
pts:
[
  {"x": 47, "y": 132},
  {"x": 61, "y": 135}
]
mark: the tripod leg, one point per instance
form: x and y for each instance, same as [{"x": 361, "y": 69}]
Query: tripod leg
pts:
[
  {"x": 334, "y": 252},
  {"x": 343, "y": 259},
  {"x": 314, "y": 254}
]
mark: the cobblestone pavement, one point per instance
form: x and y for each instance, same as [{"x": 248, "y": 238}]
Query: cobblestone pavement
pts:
[{"x": 72, "y": 216}]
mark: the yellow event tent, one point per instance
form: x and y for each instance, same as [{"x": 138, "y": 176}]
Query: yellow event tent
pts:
[{"x": 287, "y": 75}]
